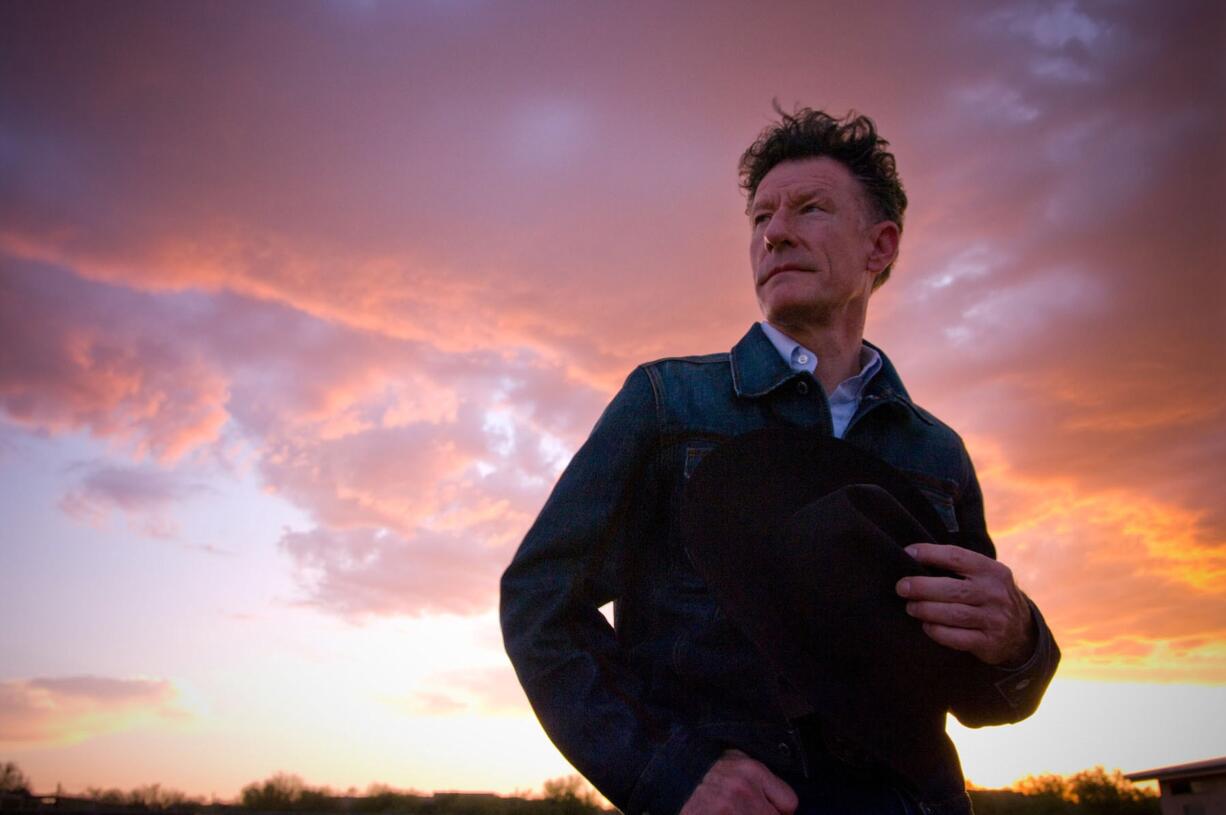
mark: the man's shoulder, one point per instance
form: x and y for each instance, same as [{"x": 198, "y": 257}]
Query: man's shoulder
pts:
[
  {"x": 936, "y": 427},
  {"x": 685, "y": 362},
  {"x": 936, "y": 421},
  {"x": 940, "y": 441},
  {"x": 687, "y": 371},
  {"x": 888, "y": 383}
]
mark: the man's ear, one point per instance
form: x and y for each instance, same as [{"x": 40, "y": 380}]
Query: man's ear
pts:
[{"x": 883, "y": 239}]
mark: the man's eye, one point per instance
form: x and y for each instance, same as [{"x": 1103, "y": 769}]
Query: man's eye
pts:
[{"x": 761, "y": 218}]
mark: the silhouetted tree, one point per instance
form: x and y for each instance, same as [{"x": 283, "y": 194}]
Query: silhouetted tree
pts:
[
  {"x": 1008, "y": 802},
  {"x": 1098, "y": 792},
  {"x": 382, "y": 798},
  {"x": 1046, "y": 794},
  {"x": 571, "y": 795},
  {"x": 1090, "y": 792},
  {"x": 1049, "y": 786},
  {"x": 154, "y": 796},
  {"x": 280, "y": 792},
  {"x": 12, "y": 779}
]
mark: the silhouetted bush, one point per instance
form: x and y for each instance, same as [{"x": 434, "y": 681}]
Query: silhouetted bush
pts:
[
  {"x": 149, "y": 797},
  {"x": 1010, "y": 802},
  {"x": 1099, "y": 792},
  {"x": 1089, "y": 792},
  {"x": 287, "y": 793},
  {"x": 282, "y": 792},
  {"x": 114, "y": 797},
  {"x": 571, "y": 796},
  {"x": 12, "y": 779}
]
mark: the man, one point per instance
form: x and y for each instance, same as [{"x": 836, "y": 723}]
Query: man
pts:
[{"x": 673, "y": 709}]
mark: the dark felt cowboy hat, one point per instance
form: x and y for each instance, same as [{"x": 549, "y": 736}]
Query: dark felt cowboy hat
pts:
[{"x": 800, "y": 538}]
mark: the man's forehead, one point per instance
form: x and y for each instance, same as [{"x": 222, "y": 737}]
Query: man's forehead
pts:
[{"x": 805, "y": 177}]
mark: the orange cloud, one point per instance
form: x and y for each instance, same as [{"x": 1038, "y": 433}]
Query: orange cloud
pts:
[
  {"x": 65, "y": 710},
  {"x": 1132, "y": 586}
]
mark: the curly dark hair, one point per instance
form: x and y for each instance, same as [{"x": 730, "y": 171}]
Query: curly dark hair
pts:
[{"x": 852, "y": 141}]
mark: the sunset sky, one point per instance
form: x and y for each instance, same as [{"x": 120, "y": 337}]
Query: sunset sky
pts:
[{"x": 303, "y": 307}]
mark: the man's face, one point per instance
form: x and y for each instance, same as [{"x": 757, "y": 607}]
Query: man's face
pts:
[{"x": 815, "y": 251}]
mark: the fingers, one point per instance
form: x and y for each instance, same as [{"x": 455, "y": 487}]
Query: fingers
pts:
[
  {"x": 982, "y": 612},
  {"x": 954, "y": 615},
  {"x": 960, "y": 639},
  {"x": 952, "y": 558},
  {"x": 984, "y": 580},
  {"x": 778, "y": 793},
  {"x": 996, "y": 633},
  {"x": 940, "y": 589},
  {"x": 737, "y": 784}
]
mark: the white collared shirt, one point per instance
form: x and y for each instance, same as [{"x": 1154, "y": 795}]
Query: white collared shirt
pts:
[{"x": 846, "y": 397}]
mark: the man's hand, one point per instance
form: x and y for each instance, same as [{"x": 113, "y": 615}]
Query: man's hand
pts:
[
  {"x": 738, "y": 785},
  {"x": 984, "y": 613}
]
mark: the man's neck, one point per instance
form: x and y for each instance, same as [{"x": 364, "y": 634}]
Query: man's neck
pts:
[{"x": 837, "y": 349}]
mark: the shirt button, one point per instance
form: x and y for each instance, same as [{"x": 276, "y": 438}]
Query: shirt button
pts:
[
  {"x": 803, "y": 359},
  {"x": 1021, "y": 684},
  {"x": 802, "y": 388},
  {"x": 784, "y": 750}
]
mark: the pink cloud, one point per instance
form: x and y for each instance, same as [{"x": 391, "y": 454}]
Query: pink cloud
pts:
[
  {"x": 361, "y": 430},
  {"x": 76, "y": 356},
  {"x": 491, "y": 691},
  {"x": 412, "y": 310},
  {"x": 144, "y": 494},
  {"x": 360, "y": 572},
  {"x": 69, "y": 709}
]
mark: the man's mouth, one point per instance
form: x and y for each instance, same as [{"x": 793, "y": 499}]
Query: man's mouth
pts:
[{"x": 786, "y": 267}]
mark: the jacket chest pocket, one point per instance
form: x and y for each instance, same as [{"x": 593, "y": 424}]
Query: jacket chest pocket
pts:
[
  {"x": 694, "y": 454},
  {"x": 943, "y": 503},
  {"x": 941, "y": 493}
]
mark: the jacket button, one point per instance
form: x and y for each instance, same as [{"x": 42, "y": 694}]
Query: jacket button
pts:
[
  {"x": 802, "y": 388},
  {"x": 785, "y": 750}
]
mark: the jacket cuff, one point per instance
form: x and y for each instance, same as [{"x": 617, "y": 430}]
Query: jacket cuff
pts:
[
  {"x": 1021, "y": 687},
  {"x": 673, "y": 773}
]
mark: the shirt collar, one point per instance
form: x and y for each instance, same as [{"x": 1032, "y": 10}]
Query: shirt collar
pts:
[
  {"x": 794, "y": 354},
  {"x": 800, "y": 358},
  {"x": 758, "y": 368}
]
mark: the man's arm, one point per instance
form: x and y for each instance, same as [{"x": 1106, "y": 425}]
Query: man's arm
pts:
[
  {"x": 986, "y": 614},
  {"x": 588, "y": 698}
]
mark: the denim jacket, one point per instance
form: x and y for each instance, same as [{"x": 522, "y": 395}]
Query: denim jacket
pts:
[{"x": 644, "y": 707}]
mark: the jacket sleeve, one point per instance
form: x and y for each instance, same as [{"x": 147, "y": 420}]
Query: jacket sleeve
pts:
[
  {"x": 588, "y": 697},
  {"x": 1001, "y": 695}
]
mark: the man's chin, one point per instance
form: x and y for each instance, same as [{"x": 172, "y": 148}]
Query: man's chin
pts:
[{"x": 795, "y": 313}]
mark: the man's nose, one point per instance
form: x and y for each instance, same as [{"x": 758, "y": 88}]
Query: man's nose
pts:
[{"x": 778, "y": 231}]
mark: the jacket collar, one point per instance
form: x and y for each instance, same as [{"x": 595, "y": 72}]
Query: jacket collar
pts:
[{"x": 757, "y": 369}]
